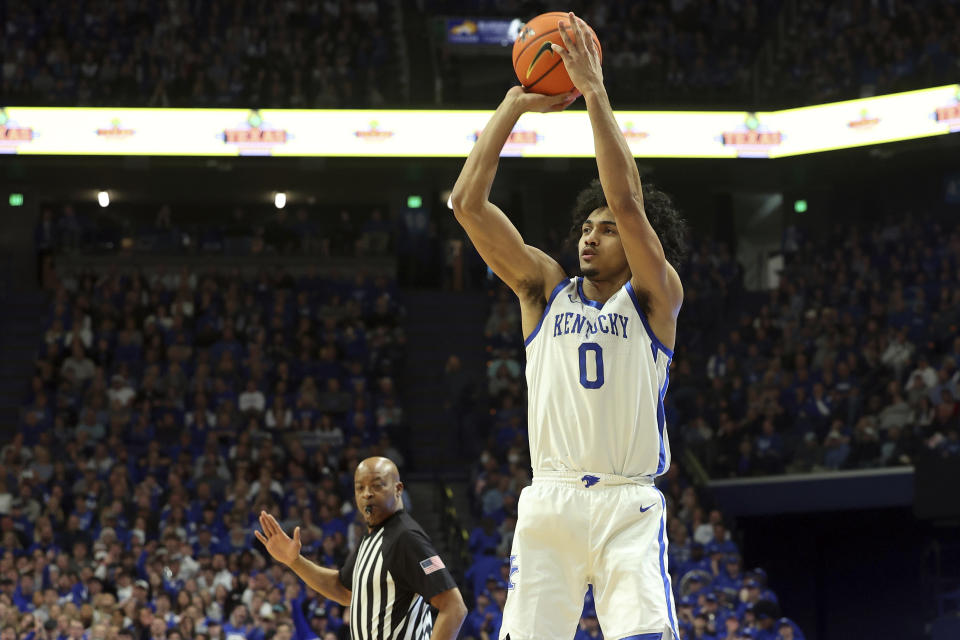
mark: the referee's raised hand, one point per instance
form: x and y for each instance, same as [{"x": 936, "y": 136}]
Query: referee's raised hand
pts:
[{"x": 282, "y": 547}]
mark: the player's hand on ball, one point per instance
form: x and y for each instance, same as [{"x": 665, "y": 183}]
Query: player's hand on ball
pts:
[
  {"x": 529, "y": 101},
  {"x": 282, "y": 547},
  {"x": 579, "y": 54}
]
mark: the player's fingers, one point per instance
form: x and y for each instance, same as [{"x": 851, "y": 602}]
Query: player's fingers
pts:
[
  {"x": 273, "y": 527},
  {"x": 296, "y": 535},
  {"x": 577, "y": 31},
  {"x": 585, "y": 37},
  {"x": 565, "y": 99},
  {"x": 560, "y": 51},
  {"x": 565, "y": 35},
  {"x": 260, "y": 536}
]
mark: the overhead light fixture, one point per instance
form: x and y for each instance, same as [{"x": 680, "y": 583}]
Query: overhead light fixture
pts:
[
  {"x": 280, "y": 199},
  {"x": 103, "y": 198}
]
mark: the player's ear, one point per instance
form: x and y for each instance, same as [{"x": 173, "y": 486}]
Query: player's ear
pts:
[{"x": 399, "y": 488}]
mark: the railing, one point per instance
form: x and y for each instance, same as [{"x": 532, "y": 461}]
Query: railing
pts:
[{"x": 456, "y": 536}]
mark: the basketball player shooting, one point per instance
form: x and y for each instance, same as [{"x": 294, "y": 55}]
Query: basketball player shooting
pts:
[{"x": 598, "y": 351}]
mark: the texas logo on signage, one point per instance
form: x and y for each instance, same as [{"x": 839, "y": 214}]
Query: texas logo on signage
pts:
[
  {"x": 255, "y": 136},
  {"x": 12, "y": 135},
  {"x": 517, "y": 137},
  {"x": 949, "y": 114},
  {"x": 752, "y": 139}
]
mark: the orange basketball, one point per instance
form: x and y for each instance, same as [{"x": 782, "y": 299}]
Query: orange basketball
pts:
[{"x": 538, "y": 68}]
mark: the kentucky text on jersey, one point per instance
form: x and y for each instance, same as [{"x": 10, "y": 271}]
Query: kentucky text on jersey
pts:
[
  {"x": 570, "y": 322},
  {"x": 597, "y": 376}
]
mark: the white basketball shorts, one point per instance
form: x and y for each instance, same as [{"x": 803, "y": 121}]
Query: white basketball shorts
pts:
[{"x": 604, "y": 530}]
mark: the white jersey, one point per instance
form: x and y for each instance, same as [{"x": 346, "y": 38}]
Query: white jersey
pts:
[{"x": 596, "y": 378}]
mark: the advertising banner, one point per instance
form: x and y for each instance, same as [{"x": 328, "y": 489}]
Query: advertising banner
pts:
[
  {"x": 413, "y": 133},
  {"x": 482, "y": 31}
]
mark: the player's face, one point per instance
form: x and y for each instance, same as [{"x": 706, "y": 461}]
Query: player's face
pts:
[
  {"x": 377, "y": 493},
  {"x": 601, "y": 253}
]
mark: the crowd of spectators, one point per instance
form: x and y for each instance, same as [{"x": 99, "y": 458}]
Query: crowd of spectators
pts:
[
  {"x": 851, "y": 362},
  {"x": 338, "y": 53},
  {"x": 87, "y": 228},
  {"x": 653, "y": 52},
  {"x": 220, "y": 53},
  {"x": 847, "y": 49},
  {"x": 167, "y": 409},
  {"x": 763, "y": 53}
]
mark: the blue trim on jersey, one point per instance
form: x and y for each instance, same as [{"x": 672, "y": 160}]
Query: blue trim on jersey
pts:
[
  {"x": 553, "y": 294},
  {"x": 646, "y": 324},
  {"x": 645, "y": 636},
  {"x": 661, "y": 425},
  {"x": 588, "y": 301},
  {"x": 671, "y": 618}
]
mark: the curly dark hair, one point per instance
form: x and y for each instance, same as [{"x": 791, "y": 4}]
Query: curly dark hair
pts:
[{"x": 663, "y": 215}]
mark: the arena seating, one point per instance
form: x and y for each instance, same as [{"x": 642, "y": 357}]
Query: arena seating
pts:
[
  {"x": 753, "y": 54},
  {"x": 168, "y": 408}
]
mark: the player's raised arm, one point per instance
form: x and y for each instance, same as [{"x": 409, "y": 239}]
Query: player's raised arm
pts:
[
  {"x": 492, "y": 233},
  {"x": 619, "y": 177}
]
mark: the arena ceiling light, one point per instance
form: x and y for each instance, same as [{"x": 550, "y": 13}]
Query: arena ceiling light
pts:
[
  {"x": 280, "y": 199},
  {"x": 103, "y": 197}
]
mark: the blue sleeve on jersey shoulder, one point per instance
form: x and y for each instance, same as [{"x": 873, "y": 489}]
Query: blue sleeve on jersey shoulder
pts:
[
  {"x": 553, "y": 294},
  {"x": 646, "y": 323}
]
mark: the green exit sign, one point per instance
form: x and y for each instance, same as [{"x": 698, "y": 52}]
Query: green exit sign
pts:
[
  {"x": 414, "y": 202},
  {"x": 16, "y": 199}
]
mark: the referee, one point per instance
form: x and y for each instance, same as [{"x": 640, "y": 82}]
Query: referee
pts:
[{"x": 393, "y": 573}]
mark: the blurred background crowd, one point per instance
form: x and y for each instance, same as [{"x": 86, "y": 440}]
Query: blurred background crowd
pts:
[{"x": 352, "y": 53}]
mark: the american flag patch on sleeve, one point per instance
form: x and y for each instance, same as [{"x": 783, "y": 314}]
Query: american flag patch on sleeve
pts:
[{"x": 431, "y": 564}]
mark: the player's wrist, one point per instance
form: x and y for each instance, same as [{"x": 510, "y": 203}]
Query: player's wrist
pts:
[
  {"x": 594, "y": 91},
  {"x": 514, "y": 103}
]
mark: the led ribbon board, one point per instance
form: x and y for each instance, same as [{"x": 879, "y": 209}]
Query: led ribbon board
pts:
[{"x": 400, "y": 133}]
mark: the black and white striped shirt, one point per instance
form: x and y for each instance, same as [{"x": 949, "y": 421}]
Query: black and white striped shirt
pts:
[{"x": 393, "y": 574}]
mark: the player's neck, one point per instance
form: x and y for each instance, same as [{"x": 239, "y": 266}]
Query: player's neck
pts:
[{"x": 601, "y": 290}]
